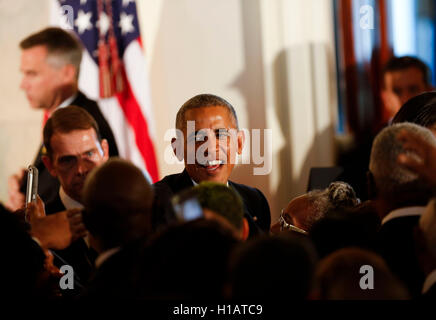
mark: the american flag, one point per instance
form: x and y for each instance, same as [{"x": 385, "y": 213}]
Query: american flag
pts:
[{"x": 128, "y": 111}]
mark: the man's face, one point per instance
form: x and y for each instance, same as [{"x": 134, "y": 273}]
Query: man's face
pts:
[
  {"x": 75, "y": 154},
  {"x": 41, "y": 81},
  {"x": 216, "y": 142},
  {"x": 400, "y": 86}
]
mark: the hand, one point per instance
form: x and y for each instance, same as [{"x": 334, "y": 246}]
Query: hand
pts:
[
  {"x": 35, "y": 210},
  {"x": 16, "y": 198},
  {"x": 53, "y": 231},
  {"x": 77, "y": 228},
  {"x": 425, "y": 164}
]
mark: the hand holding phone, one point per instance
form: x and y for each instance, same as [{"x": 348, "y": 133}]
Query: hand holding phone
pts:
[{"x": 32, "y": 187}]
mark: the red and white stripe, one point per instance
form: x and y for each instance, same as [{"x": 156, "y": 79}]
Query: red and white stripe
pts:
[{"x": 129, "y": 114}]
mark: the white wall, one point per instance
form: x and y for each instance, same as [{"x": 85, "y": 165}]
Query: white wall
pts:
[
  {"x": 20, "y": 127},
  {"x": 273, "y": 60}
]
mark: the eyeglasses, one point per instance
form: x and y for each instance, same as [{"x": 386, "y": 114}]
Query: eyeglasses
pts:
[
  {"x": 284, "y": 225},
  {"x": 67, "y": 162}
]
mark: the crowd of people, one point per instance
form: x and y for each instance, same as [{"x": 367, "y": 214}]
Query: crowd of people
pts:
[{"x": 100, "y": 229}]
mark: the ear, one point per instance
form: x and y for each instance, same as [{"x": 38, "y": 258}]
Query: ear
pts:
[
  {"x": 49, "y": 165},
  {"x": 69, "y": 73},
  {"x": 241, "y": 141},
  {"x": 177, "y": 148},
  {"x": 105, "y": 148},
  {"x": 371, "y": 187},
  {"x": 245, "y": 229}
]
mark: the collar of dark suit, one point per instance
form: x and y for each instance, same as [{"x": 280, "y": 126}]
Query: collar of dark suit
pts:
[
  {"x": 185, "y": 180},
  {"x": 79, "y": 97}
]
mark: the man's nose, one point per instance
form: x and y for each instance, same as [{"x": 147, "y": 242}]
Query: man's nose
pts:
[
  {"x": 23, "y": 84},
  {"x": 212, "y": 146},
  {"x": 82, "y": 167}
]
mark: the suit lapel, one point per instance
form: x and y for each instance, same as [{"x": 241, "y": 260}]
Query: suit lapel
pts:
[{"x": 183, "y": 181}]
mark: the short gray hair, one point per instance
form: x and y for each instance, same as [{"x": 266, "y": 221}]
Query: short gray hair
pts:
[
  {"x": 338, "y": 195},
  {"x": 204, "y": 101},
  {"x": 390, "y": 177},
  {"x": 62, "y": 46}
]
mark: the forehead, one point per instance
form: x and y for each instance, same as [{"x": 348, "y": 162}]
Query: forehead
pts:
[
  {"x": 210, "y": 117},
  {"x": 297, "y": 204},
  {"x": 74, "y": 142},
  {"x": 32, "y": 55},
  {"x": 407, "y": 76}
]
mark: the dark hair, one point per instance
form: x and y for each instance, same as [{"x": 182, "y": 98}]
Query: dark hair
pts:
[
  {"x": 406, "y": 62},
  {"x": 290, "y": 255},
  {"x": 338, "y": 277},
  {"x": 65, "y": 120},
  {"x": 344, "y": 227},
  {"x": 204, "y": 101},
  {"x": 58, "y": 42},
  {"x": 221, "y": 200},
  {"x": 420, "y": 110},
  {"x": 199, "y": 251},
  {"x": 117, "y": 199}
]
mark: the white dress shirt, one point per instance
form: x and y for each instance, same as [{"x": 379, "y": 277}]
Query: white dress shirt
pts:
[{"x": 404, "y": 212}]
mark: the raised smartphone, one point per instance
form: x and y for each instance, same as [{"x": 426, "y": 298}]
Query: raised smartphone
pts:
[{"x": 32, "y": 184}]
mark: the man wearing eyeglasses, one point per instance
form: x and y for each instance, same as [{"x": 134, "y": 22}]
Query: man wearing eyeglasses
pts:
[{"x": 73, "y": 148}]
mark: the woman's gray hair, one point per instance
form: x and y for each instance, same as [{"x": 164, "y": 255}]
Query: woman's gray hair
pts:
[{"x": 338, "y": 195}]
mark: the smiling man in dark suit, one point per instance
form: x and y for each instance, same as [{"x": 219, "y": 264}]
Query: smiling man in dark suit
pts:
[
  {"x": 208, "y": 140},
  {"x": 50, "y": 64}
]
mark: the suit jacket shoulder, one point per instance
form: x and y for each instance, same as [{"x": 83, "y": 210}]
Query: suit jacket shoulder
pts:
[
  {"x": 397, "y": 246},
  {"x": 164, "y": 190},
  {"x": 256, "y": 207},
  {"x": 255, "y": 204}
]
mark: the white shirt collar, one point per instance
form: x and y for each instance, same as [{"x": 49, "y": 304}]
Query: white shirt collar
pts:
[
  {"x": 429, "y": 281},
  {"x": 68, "y": 202},
  {"x": 67, "y": 101},
  {"x": 105, "y": 255},
  {"x": 404, "y": 212},
  {"x": 196, "y": 184}
]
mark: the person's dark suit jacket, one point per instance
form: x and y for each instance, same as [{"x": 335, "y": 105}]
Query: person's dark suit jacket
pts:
[
  {"x": 397, "y": 246},
  {"x": 430, "y": 295},
  {"x": 77, "y": 255},
  {"x": 121, "y": 276},
  {"x": 256, "y": 208},
  {"x": 48, "y": 186}
]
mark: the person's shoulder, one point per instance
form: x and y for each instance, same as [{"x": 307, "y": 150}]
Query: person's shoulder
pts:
[
  {"x": 173, "y": 183},
  {"x": 167, "y": 180},
  {"x": 404, "y": 222},
  {"x": 83, "y": 101},
  {"x": 246, "y": 190}
]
